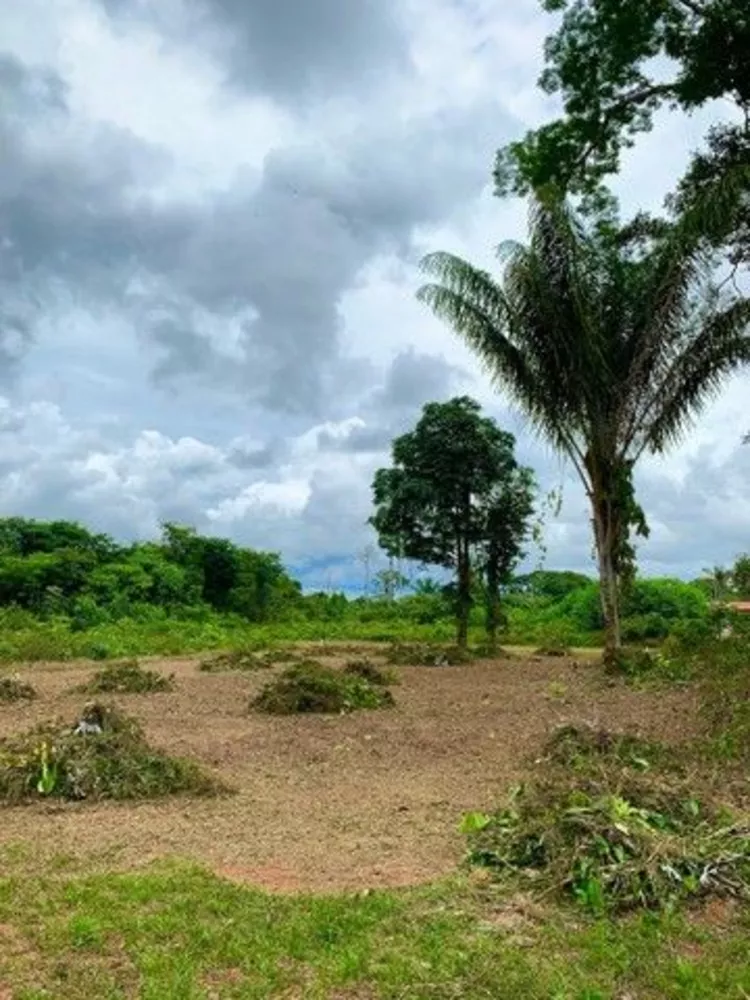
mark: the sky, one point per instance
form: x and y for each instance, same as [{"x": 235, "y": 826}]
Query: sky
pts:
[{"x": 211, "y": 218}]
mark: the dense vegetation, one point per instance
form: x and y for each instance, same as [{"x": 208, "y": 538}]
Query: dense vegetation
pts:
[{"x": 65, "y": 592}]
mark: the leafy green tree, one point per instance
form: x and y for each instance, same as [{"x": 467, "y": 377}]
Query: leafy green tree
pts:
[
  {"x": 262, "y": 587},
  {"x": 507, "y": 514},
  {"x": 24, "y": 537},
  {"x": 551, "y": 584},
  {"x": 614, "y": 64},
  {"x": 610, "y": 347},
  {"x": 433, "y": 503}
]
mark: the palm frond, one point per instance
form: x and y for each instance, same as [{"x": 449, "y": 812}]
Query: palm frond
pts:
[
  {"x": 696, "y": 376},
  {"x": 485, "y": 317}
]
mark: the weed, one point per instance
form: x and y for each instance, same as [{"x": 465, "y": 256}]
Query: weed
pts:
[
  {"x": 14, "y": 689},
  {"x": 128, "y": 677},
  {"x": 310, "y": 687},
  {"x": 427, "y": 655},
  {"x": 103, "y": 756},
  {"x": 371, "y": 672},
  {"x": 604, "y": 827}
]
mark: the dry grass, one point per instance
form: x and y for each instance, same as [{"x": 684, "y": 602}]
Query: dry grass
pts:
[{"x": 326, "y": 802}]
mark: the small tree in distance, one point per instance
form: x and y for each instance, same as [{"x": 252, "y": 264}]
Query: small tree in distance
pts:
[{"x": 456, "y": 497}]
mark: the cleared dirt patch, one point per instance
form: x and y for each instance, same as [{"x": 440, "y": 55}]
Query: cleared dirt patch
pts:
[{"x": 331, "y": 802}]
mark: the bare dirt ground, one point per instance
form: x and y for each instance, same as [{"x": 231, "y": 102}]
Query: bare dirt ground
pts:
[{"x": 329, "y": 803}]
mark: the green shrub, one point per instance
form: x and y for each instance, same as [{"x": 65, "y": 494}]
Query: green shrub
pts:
[
  {"x": 14, "y": 689},
  {"x": 371, "y": 672},
  {"x": 427, "y": 655},
  {"x": 102, "y": 756},
  {"x": 311, "y": 687},
  {"x": 607, "y": 828},
  {"x": 98, "y": 651},
  {"x": 555, "y": 638},
  {"x": 639, "y": 628},
  {"x": 128, "y": 677}
]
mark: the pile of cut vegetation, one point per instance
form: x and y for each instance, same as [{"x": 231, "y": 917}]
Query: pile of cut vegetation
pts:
[
  {"x": 371, "y": 672},
  {"x": 13, "y": 689},
  {"x": 128, "y": 677},
  {"x": 613, "y": 823},
  {"x": 309, "y": 686},
  {"x": 427, "y": 655},
  {"x": 248, "y": 660},
  {"x": 103, "y": 755}
]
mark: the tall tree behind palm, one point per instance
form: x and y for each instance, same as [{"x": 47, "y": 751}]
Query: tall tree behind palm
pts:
[{"x": 610, "y": 341}]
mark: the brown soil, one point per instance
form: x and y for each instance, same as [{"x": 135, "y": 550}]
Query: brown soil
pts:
[{"x": 329, "y": 803}]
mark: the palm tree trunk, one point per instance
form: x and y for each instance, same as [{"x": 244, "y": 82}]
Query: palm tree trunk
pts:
[
  {"x": 464, "y": 594},
  {"x": 605, "y": 537},
  {"x": 492, "y": 619}
]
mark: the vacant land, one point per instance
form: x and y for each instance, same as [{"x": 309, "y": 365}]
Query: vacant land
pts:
[{"x": 327, "y": 803}]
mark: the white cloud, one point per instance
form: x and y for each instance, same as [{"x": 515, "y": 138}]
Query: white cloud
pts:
[{"x": 247, "y": 226}]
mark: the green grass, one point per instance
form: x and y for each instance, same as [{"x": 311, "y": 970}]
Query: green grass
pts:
[
  {"x": 22, "y": 640},
  {"x": 54, "y": 639},
  {"x": 178, "y": 933}
]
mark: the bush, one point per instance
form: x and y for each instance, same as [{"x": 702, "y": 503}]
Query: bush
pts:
[
  {"x": 555, "y": 639},
  {"x": 642, "y": 627},
  {"x": 13, "y": 689},
  {"x": 98, "y": 651},
  {"x": 311, "y": 687},
  {"x": 369, "y": 671},
  {"x": 606, "y": 828},
  {"x": 427, "y": 655},
  {"x": 128, "y": 677},
  {"x": 103, "y": 756}
]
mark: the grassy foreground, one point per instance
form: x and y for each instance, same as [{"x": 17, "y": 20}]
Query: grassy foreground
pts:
[{"x": 178, "y": 933}]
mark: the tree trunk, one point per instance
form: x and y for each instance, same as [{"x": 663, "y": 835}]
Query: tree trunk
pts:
[
  {"x": 605, "y": 536},
  {"x": 464, "y": 594},
  {"x": 492, "y": 619}
]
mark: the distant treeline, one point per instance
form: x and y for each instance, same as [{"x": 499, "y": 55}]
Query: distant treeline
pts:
[
  {"x": 60, "y": 567},
  {"x": 61, "y": 570}
]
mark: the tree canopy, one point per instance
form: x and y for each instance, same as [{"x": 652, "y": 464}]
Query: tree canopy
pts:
[
  {"x": 454, "y": 495},
  {"x": 60, "y": 566},
  {"x": 615, "y": 64}
]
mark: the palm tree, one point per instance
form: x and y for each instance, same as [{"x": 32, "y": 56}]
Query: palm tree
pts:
[{"x": 610, "y": 342}]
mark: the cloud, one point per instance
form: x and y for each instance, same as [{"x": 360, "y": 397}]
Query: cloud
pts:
[
  {"x": 210, "y": 219},
  {"x": 295, "y": 52},
  {"x": 241, "y": 290}
]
